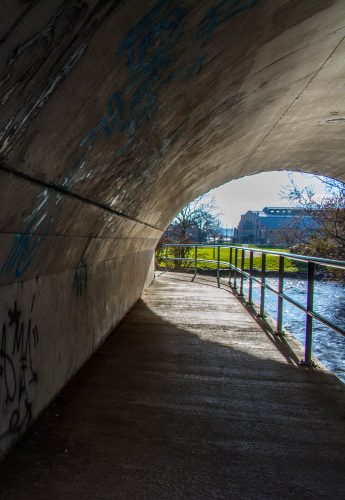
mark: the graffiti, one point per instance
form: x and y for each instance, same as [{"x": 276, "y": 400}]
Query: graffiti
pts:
[
  {"x": 152, "y": 49},
  {"x": 80, "y": 272},
  {"x": 221, "y": 12},
  {"x": 59, "y": 44},
  {"x": 19, "y": 339},
  {"x": 80, "y": 278},
  {"x": 149, "y": 48},
  {"x": 27, "y": 243},
  {"x": 29, "y": 57}
]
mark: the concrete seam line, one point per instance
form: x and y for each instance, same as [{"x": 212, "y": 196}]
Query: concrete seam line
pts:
[
  {"x": 313, "y": 42},
  {"x": 80, "y": 236},
  {"x": 295, "y": 99},
  {"x": 59, "y": 189}
]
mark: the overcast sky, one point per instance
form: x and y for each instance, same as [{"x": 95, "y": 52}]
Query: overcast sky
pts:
[{"x": 256, "y": 192}]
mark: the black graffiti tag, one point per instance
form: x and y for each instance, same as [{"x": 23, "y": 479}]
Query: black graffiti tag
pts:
[{"x": 19, "y": 339}]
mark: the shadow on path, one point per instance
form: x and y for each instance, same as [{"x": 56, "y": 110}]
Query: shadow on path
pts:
[{"x": 185, "y": 408}]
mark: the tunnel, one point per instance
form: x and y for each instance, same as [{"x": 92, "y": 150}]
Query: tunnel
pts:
[{"x": 114, "y": 115}]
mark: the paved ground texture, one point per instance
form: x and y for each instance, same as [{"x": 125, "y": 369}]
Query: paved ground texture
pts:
[{"x": 188, "y": 399}]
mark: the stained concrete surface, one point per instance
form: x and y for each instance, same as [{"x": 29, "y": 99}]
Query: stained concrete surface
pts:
[{"x": 188, "y": 398}]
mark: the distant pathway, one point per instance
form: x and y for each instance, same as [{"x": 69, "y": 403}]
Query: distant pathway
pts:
[{"x": 188, "y": 399}]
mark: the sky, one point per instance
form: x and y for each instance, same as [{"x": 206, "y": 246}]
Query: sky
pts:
[{"x": 255, "y": 192}]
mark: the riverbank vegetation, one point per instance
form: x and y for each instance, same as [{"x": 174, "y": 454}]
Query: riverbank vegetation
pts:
[
  {"x": 207, "y": 259},
  {"x": 329, "y": 214}
]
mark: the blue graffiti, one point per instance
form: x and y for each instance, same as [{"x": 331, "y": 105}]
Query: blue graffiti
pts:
[
  {"x": 150, "y": 50},
  {"x": 150, "y": 45},
  {"x": 22, "y": 253},
  {"x": 153, "y": 50},
  {"x": 27, "y": 243},
  {"x": 114, "y": 117},
  {"x": 223, "y": 11}
]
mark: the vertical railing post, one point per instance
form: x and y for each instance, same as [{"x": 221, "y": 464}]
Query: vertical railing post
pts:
[
  {"x": 242, "y": 268},
  {"x": 280, "y": 299},
  {"x": 195, "y": 262},
  {"x": 230, "y": 262},
  {"x": 250, "y": 284},
  {"x": 166, "y": 259},
  {"x": 309, "y": 319},
  {"x": 262, "y": 285},
  {"x": 235, "y": 269},
  {"x": 218, "y": 264}
]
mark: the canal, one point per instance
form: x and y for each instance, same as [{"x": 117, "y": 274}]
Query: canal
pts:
[{"x": 329, "y": 301}]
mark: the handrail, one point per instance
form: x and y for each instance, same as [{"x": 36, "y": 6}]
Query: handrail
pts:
[
  {"x": 236, "y": 270},
  {"x": 338, "y": 264}
]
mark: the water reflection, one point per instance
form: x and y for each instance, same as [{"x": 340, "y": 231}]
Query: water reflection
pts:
[{"x": 329, "y": 301}]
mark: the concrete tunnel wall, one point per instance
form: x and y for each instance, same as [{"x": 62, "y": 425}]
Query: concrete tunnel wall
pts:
[{"x": 114, "y": 114}]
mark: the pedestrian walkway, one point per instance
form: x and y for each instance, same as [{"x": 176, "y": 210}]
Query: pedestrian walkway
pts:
[{"x": 188, "y": 399}]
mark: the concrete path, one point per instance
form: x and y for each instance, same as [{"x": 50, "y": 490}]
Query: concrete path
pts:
[{"x": 188, "y": 399}]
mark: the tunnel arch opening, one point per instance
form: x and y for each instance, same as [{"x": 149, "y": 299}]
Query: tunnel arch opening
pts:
[{"x": 112, "y": 118}]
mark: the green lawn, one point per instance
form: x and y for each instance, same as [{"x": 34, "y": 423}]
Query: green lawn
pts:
[{"x": 272, "y": 262}]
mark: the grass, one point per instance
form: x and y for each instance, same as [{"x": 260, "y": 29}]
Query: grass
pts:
[{"x": 272, "y": 261}]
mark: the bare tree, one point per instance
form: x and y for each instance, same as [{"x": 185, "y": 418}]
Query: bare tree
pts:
[
  {"x": 196, "y": 221},
  {"x": 199, "y": 217},
  {"x": 328, "y": 213}
]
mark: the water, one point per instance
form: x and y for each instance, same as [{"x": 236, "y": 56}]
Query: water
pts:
[{"x": 329, "y": 301}]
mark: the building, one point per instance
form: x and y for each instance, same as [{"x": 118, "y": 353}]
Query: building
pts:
[{"x": 273, "y": 225}]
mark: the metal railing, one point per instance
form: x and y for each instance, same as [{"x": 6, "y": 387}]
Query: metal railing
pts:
[{"x": 237, "y": 272}]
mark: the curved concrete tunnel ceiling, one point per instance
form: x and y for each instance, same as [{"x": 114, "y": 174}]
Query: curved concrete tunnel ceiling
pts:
[
  {"x": 114, "y": 114},
  {"x": 141, "y": 107}
]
